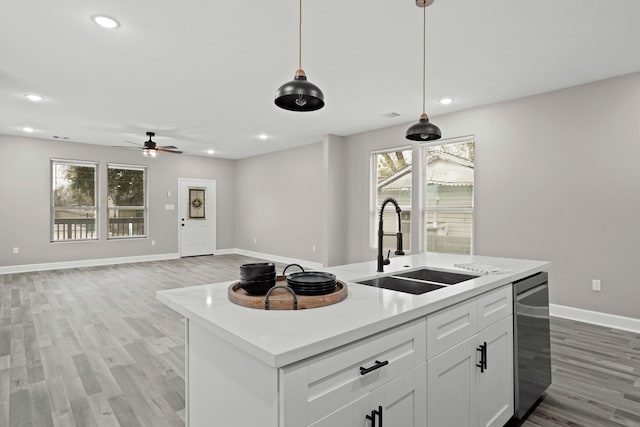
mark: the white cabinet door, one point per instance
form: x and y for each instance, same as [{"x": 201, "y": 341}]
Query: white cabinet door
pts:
[
  {"x": 452, "y": 387},
  {"x": 495, "y": 384},
  {"x": 404, "y": 398},
  {"x": 399, "y": 403}
]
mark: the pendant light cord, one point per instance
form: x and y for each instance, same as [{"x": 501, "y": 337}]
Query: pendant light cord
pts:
[
  {"x": 300, "y": 38},
  {"x": 424, "y": 58}
]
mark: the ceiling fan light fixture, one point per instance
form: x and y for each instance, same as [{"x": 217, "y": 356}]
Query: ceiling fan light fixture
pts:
[
  {"x": 299, "y": 94},
  {"x": 150, "y": 152},
  {"x": 424, "y": 130}
]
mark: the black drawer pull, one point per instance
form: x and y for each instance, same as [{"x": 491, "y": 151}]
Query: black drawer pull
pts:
[
  {"x": 483, "y": 357},
  {"x": 378, "y": 365}
]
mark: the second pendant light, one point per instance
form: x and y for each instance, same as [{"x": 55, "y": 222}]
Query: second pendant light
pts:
[
  {"x": 424, "y": 130},
  {"x": 299, "y": 94}
]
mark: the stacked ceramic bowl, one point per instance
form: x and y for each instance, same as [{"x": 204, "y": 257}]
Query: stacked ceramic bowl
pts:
[
  {"x": 312, "y": 283},
  {"x": 257, "y": 278}
]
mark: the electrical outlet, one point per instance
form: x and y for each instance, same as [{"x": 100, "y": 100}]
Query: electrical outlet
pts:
[
  {"x": 16, "y": 250},
  {"x": 595, "y": 284},
  {"x": 153, "y": 243},
  {"x": 255, "y": 240},
  {"x": 313, "y": 248},
  {"x": 168, "y": 194}
]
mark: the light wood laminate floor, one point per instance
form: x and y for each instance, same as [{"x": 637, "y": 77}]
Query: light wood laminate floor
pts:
[{"x": 93, "y": 347}]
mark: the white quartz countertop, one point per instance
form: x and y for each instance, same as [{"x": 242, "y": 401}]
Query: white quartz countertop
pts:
[{"x": 280, "y": 337}]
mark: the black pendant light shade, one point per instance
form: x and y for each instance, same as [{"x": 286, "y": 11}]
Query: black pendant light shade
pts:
[
  {"x": 299, "y": 94},
  {"x": 423, "y": 130}
]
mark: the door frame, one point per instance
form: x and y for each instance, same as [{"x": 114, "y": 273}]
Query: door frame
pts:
[{"x": 210, "y": 201}]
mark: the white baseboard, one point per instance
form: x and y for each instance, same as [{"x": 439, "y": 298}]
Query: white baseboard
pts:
[
  {"x": 229, "y": 251},
  {"x": 277, "y": 258},
  {"x": 85, "y": 263},
  {"x": 595, "y": 317}
]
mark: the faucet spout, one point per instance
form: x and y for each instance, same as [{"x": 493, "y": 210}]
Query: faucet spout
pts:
[{"x": 381, "y": 261}]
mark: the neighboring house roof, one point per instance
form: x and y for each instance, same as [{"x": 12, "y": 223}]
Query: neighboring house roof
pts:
[{"x": 442, "y": 169}]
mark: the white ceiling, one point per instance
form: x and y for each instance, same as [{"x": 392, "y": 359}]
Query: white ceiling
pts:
[{"x": 202, "y": 73}]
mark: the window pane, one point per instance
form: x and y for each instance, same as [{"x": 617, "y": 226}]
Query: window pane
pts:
[
  {"x": 74, "y": 224},
  {"x": 393, "y": 179},
  {"x": 449, "y": 231},
  {"x": 73, "y": 185},
  {"x": 127, "y": 210},
  {"x": 126, "y": 222},
  {"x": 126, "y": 187},
  {"x": 73, "y": 201},
  {"x": 449, "y": 197}
]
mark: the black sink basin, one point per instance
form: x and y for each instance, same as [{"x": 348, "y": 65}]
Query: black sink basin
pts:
[
  {"x": 437, "y": 276},
  {"x": 402, "y": 285}
]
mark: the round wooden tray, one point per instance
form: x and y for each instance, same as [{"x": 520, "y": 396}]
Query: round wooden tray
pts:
[{"x": 281, "y": 299}]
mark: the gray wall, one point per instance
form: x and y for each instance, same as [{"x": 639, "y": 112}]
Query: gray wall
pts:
[
  {"x": 557, "y": 178},
  {"x": 24, "y": 193},
  {"x": 280, "y": 203}
]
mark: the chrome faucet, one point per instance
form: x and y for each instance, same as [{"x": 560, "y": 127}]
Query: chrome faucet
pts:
[{"x": 381, "y": 261}]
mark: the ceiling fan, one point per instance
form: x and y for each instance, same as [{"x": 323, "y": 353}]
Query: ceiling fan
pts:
[{"x": 150, "y": 149}]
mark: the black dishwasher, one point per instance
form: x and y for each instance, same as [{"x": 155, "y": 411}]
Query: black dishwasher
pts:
[{"x": 531, "y": 339}]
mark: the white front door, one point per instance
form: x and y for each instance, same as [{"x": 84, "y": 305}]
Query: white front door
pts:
[{"x": 197, "y": 220}]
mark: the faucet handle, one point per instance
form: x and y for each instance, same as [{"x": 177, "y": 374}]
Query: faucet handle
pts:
[{"x": 387, "y": 261}]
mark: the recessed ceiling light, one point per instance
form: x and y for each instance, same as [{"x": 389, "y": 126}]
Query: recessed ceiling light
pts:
[
  {"x": 210, "y": 151},
  {"x": 105, "y": 22},
  {"x": 28, "y": 129},
  {"x": 446, "y": 101},
  {"x": 33, "y": 97},
  {"x": 263, "y": 136}
]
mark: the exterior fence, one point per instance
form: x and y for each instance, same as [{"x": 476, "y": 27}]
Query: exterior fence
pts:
[{"x": 85, "y": 228}]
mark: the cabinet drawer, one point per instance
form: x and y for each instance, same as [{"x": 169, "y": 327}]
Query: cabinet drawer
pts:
[
  {"x": 448, "y": 327},
  {"x": 494, "y": 305},
  {"x": 325, "y": 383}
]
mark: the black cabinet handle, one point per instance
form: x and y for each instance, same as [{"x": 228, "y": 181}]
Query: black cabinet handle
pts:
[
  {"x": 378, "y": 365},
  {"x": 483, "y": 357},
  {"x": 372, "y": 417}
]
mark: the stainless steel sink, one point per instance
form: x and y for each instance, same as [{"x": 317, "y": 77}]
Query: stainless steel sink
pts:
[
  {"x": 418, "y": 281},
  {"x": 437, "y": 276},
  {"x": 409, "y": 286}
]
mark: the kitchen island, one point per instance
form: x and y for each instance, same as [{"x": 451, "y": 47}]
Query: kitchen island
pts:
[{"x": 294, "y": 368}]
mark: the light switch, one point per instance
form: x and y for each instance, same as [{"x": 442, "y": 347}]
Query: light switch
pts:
[
  {"x": 170, "y": 207},
  {"x": 168, "y": 193}
]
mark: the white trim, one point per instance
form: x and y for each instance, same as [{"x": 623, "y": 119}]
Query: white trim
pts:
[
  {"x": 595, "y": 317},
  {"x": 276, "y": 258},
  {"x": 228, "y": 251},
  {"x": 85, "y": 263}
]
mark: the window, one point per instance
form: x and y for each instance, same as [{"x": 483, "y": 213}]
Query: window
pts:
[
  {"x": 449, "y": 167},
  {"x": 74, "y": 198},
  {"x": 391, "y": 177},
  {"x": 127, "y": 201}
]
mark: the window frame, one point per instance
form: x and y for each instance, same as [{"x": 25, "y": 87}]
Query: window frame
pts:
[
  {"x": 423, "y": 190},
  {"x": 145, "y": 208},
  {"x": 96, "y": 198},
  {"x": 373, "y": 191}
]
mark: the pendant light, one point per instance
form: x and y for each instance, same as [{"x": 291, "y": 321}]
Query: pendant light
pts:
[
  {"x": 299, "y": 94},
  {"x": 424, "y": 130}
]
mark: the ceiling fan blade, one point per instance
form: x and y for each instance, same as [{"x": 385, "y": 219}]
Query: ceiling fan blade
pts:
[
  {"x": 134, "y": 143},
  {"x": 167, "y": 147},
  {"x": 170, "y": 151},
  {"x": 126, "y": 146}
]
